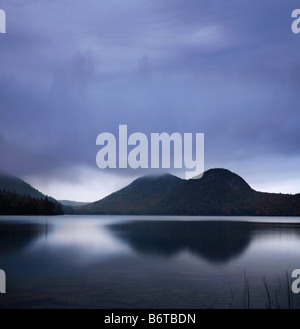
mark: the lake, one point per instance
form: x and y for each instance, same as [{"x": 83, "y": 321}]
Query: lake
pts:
[{"x": 149, "y": 262}]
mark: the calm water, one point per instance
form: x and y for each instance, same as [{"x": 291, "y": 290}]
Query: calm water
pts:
[{"x": 147, "y": 262}]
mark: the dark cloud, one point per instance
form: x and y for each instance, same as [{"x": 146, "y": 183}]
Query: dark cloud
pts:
[{"x": 72, "y": 69}]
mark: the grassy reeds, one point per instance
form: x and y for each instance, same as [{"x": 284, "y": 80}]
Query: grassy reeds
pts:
[
  {"x": 246, "y": 293},
  {"x": 269, "y": 300},
  {"x": 273, "y": 296}
]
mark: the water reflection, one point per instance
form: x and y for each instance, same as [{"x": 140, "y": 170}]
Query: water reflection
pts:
[
  {"x": 104, "y": 262},
  {"x": 82, "y": 242},
  {"x": 15, "y": 236},
  {"x": 217, "y": 241},
  {"x": 88, "y": 239}
]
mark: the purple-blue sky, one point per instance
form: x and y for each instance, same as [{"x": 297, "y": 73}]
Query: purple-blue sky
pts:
[{"x": 72, "y": 69}]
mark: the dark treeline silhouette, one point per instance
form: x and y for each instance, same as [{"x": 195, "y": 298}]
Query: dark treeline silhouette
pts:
[{"x": 16, "y": 204}]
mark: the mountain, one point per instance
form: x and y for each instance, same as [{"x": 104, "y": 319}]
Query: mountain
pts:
[
  {"x": 140, "y": 197},
  {"x": 218, "y": 192},
  {"x": 16, "y": 185},
  {"x": 69, "y": 203},
  {"x": 19, "y": 198}
]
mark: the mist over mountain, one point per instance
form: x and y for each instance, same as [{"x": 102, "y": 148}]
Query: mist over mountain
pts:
[
  {"x": 70, "y": 203},
  {"x": 19, "y": 198},
  {"x": 219, "y": 192},
  {"x": 16, "y": 185},
  {"x": 141, "y": 196}
]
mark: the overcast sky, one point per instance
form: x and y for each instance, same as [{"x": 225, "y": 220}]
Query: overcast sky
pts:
[{"x": 72, "y": 69}]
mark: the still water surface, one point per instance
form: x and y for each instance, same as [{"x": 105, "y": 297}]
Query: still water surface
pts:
[{"x": 148, "y": 262}]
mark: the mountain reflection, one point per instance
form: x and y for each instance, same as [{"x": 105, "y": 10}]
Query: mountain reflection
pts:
[
  {"x": 15, "y": 236},
  {"x": 214, "y": 241}
]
